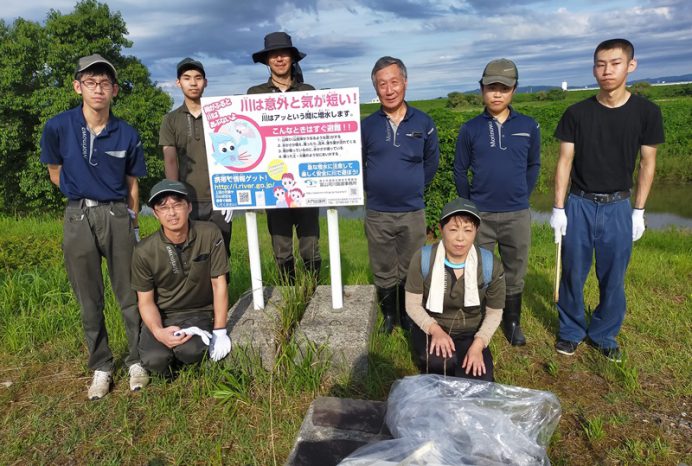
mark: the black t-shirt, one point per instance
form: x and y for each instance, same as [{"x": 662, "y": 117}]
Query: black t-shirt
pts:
[{"x": 607, "y": 141}]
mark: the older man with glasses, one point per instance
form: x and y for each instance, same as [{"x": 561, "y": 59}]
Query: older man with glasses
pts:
[
  {"x": 95, "y": 160},
  {"x": 179, "y": 274}
]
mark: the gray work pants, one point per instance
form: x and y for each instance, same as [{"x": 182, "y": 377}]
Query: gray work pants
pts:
[
  {"x": 511, "y": 231},
  {"x": 90, "y": 234},
  {"x": 280, "y": 223},
  {"x": 393, "y": 237}
]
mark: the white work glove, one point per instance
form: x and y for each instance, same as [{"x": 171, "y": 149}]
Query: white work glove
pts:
[
  {"x": 220, "y": 345},
  {"x": 638, "y": 226},
  {"x": 227, "y": 215},
  {"x": 558, "y": 222},
  {"x": 203, "y": 334},
  {"x": 133, "y": 215}
]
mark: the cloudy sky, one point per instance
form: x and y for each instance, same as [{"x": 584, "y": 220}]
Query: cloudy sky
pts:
[{"x": 444, "y": 43}]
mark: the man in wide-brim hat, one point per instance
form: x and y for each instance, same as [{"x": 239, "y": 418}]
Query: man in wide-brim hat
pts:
[{"x": 282, "y": 58}]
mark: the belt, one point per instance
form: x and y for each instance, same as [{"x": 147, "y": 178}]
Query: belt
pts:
[
  {"x": 601, "y": 198},
  {"x": 84, "y": 202}
]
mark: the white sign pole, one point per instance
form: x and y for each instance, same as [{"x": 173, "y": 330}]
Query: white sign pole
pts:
[
  {"x": 255, "y": 265},
  {"x": 335, "y": 259}
]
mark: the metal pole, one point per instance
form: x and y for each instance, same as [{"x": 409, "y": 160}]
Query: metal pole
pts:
[
  {"x": 335, "y": 259},
  {"x": 255, "y": 265}
]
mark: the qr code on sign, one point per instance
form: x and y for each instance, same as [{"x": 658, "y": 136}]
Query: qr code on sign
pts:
[{"x": 244, "y": 198}]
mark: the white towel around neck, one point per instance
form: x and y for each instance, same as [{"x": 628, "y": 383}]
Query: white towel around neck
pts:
[{"x": 438, "y": 281}]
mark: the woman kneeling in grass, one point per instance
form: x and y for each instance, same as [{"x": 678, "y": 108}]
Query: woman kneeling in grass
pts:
[{"x": 455, "y": 299}]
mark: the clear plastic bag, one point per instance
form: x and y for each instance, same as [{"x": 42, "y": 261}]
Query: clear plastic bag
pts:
[{"x": 438, "y": 420}]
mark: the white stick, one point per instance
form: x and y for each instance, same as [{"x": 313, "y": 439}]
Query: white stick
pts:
[
  {"x": 255, "y": 265},
  {"x": 558, "y": 267},
  {"x": 335, "y": 258}
]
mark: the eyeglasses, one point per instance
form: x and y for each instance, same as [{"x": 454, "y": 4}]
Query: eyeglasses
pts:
[
  {"x": 91, "y": 84},
  {"x": 167, "y": 209}
]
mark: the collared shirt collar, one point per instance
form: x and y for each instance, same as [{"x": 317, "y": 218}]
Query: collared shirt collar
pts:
[
  {"x": 512, "y": 114},
  {"x": 191, "y": 235},
  {"x": 111, "y": 124},
  {"x": 271, "y": 84},
  {"x": 409, "y": 112}
]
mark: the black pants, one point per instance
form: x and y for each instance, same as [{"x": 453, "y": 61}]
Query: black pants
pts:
[
  {"x": 160, "y": 359},
  {"x": 306, "y": 220},
  {"x": 432, "y": 364}
]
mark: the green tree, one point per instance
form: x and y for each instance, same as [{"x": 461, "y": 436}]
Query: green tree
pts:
[{"x": 37, "y": 64}]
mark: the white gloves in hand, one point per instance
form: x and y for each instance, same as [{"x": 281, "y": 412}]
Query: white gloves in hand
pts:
[
  {"x": 203, "y": 334},
  {"x": 638, "y": 226},
  {"x": 137, "y": 237},
  {"x": 133, "y": 215},
  {"x": 227, "y": 215},
  {"x": 220, "y": 345},
  {"x": 558, "y": 222}
]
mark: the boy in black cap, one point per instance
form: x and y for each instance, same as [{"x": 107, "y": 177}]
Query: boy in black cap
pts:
[
  {"x": 95, "y": 160},
  {"x": 502, "y": 148},
  {"x": 184, "y": 151},
  {"x": 179, "y": 274},
  {"x": 282, "y": 58}
]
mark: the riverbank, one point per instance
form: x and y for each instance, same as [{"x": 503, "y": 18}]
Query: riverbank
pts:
[{"x": 631, "y": 413}]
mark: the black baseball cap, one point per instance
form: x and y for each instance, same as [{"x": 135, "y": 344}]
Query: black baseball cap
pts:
[
  {"x": 458, "y": 206},
  {"x": 167, "y": 186},
  {"x": 188, "y": 63}
]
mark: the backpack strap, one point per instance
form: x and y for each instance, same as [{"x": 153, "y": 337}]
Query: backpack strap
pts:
[
  {"x": 425, "y": 260},
  {"x": 487, "y": 259}
]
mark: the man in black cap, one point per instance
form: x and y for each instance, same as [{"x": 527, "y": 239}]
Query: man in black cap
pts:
[
  {"x": 95, "y": 160},
  {"x": 184, "y": 151},
  {"x": 179, "y": 274},
  {"x": 282, "y": 58}
]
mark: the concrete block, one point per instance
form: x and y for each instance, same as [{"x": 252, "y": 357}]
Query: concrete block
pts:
[
  {"x": 333, "y": 428},
  {"x": 256, "y": 330},
  {"x": 345, "y": 332}
]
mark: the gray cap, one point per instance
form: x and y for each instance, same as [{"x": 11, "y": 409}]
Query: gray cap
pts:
[
  {"x": 167, "y": 186},
  {"x": 91, "y": 60},
  {"x": 458, "y": 206},
  {"x": 501, "y": 71},
  {"x": 188, "y": 63}
]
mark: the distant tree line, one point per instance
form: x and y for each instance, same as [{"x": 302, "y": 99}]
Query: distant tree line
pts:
[{"x": 37, "y": 65}]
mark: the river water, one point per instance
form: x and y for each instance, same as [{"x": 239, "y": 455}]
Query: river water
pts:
[{"x": 668, "y": 205}]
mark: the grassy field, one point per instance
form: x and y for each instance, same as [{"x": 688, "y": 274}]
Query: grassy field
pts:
[{"x": 637, "y": 412}]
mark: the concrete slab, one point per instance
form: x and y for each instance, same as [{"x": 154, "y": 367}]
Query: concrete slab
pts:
[
  {"x": 333, "y": 428},
  {"x": 345, "y": 332},
  {"x": 255, "y": 330}
]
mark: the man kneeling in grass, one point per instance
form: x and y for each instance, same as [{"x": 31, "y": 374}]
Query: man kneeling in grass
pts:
[{"x": 179, "y": 274}]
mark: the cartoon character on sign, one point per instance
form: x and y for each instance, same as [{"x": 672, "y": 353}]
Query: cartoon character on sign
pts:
[
  {"x": 280, "y": 195},
  {"x": 226, "y": 151},
  {"x": 297, "y": 197}
]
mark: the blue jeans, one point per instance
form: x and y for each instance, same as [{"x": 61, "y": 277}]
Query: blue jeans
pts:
[{"x": 606, "y": 230}]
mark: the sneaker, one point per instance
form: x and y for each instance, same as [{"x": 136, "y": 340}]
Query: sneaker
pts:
[
  {"x": 100, "y": 385},
  {"x": 611, "y": 354},
  {"x": 566, "y": 347},
  {"x": 139, "y": 377}
]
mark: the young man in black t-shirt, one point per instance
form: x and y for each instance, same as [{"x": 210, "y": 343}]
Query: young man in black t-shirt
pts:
[{"x": 600, "y": 138}]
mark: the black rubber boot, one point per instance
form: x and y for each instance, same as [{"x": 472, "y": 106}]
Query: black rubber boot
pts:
[
  {"x": 404, "y": 319},
  {"x": 511, "y": 321},
  {"x": 387, "y": 300},
  {"x": 288, "y": 272}
]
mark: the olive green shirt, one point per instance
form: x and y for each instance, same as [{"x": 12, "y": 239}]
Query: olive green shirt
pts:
[
  {"x": 268, "y": 87},
  {"x": 455, "y": 318},
  {"x": 183, "y": 131},
  {"x": 180, "y": 275}
]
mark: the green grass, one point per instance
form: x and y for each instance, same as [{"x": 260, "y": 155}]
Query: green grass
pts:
[{"x": 238, "y": 413}]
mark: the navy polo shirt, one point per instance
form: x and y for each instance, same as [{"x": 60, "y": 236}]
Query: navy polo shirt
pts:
[
  {"x": 93, "y": 167},
  {"x": 504, "y": 158},
  {"x": 398, "y": 164}
]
